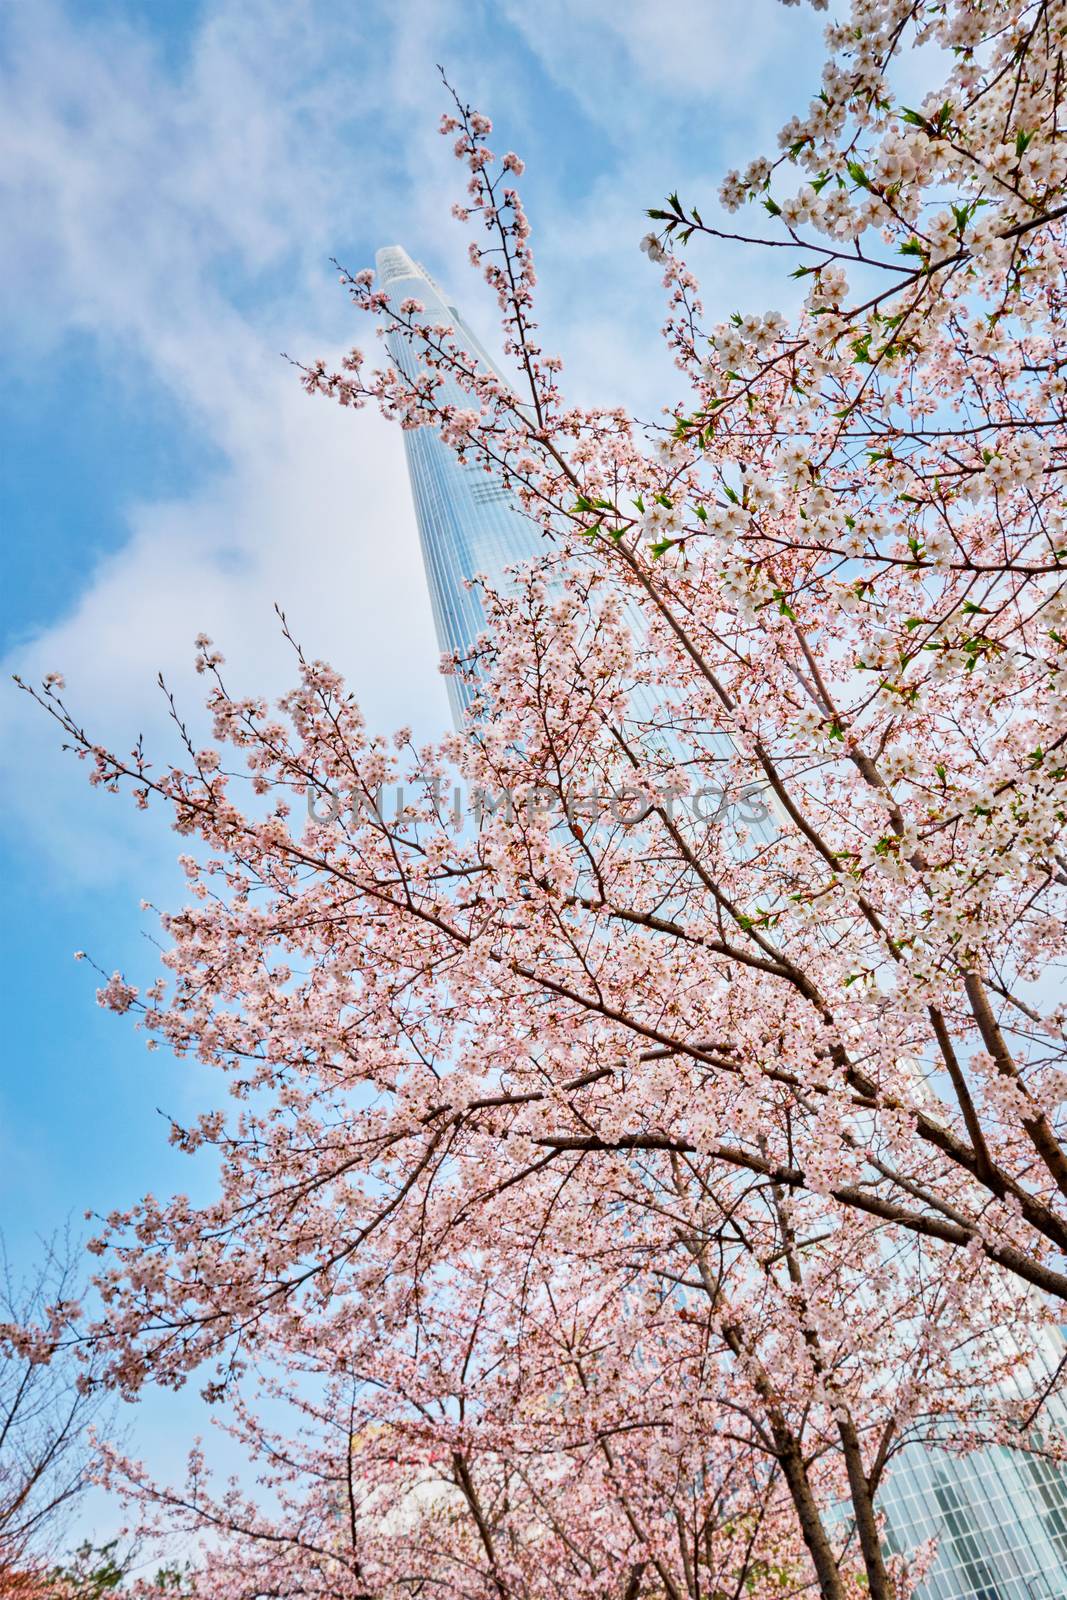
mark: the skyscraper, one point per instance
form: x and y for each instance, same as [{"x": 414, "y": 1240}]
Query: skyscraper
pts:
[
  {"x": 999, "y": 1515},
  {"x": 467, "y": 521}
]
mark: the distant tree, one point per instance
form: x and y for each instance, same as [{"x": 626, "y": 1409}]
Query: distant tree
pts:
[
  {"x": 92, "y": 1573},
  {"x": 50, "y": 1397}
]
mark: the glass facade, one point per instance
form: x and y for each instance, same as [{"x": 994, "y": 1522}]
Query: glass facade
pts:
[
  {"x": 467, "y": 521},
  {"x": 469, "y": 524},
  {"x": 999, "y": 1517}
]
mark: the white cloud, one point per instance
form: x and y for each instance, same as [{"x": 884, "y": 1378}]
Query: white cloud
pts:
[
  {"x": 630, "y": 64},
  {"x": 143, "y": 208},
  {"x": 680, "y": 95},
  {"x": 182, "y": 212}
]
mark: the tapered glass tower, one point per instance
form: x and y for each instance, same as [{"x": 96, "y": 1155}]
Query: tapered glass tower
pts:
[{"x": 468, "y": 523}]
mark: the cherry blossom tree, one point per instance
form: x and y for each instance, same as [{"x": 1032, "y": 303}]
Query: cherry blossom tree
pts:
[
  {"x": 848, "y": 550},
  {"x": 613, "y": 1192},
  {"x": 47, "y": 1411},
  {"x": 660, "y": 1419}
]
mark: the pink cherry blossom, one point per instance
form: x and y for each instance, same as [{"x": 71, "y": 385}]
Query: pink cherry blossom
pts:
[{"x": 608, "y": 1204}]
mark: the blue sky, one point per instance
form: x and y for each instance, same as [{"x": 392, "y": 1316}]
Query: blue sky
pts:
[{"x": 177, "y": 175}]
